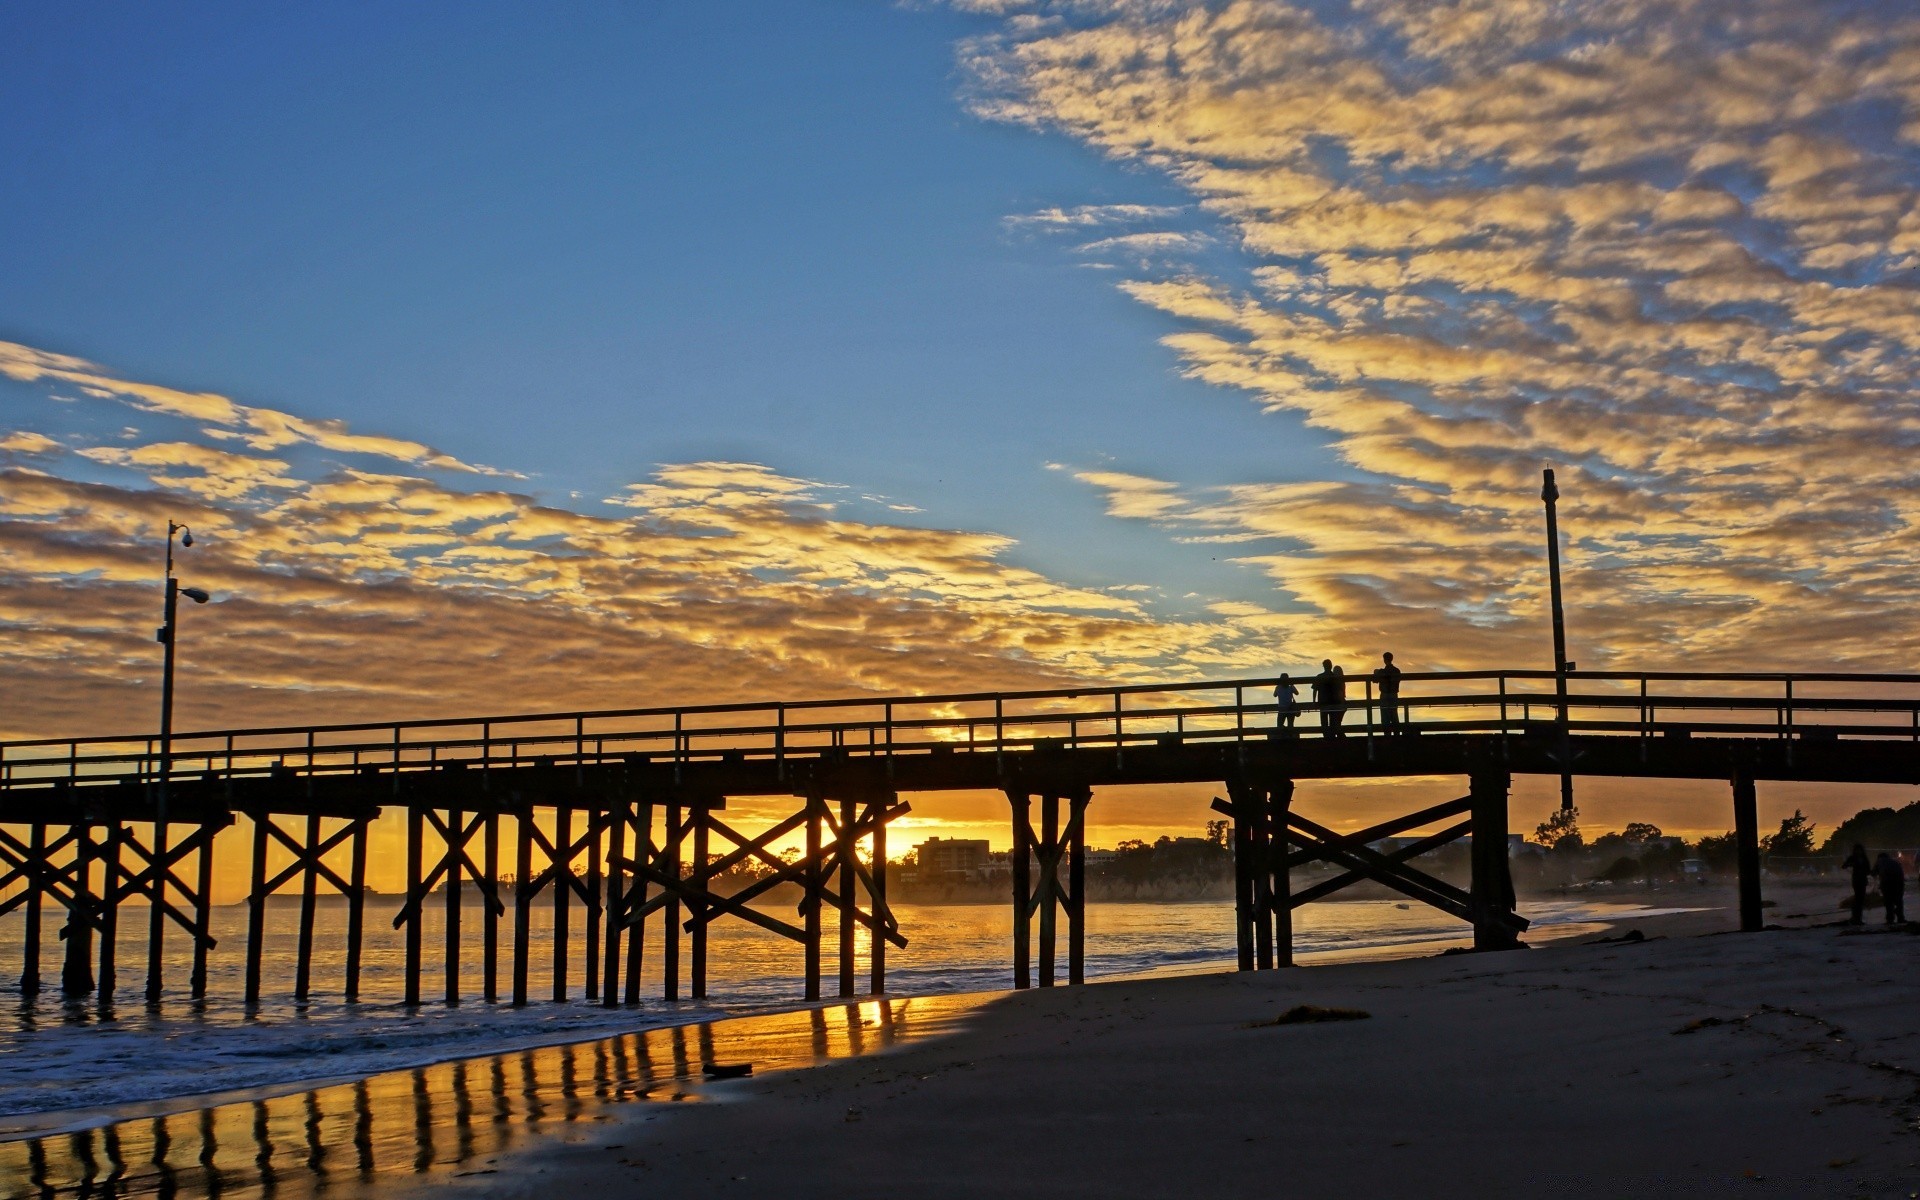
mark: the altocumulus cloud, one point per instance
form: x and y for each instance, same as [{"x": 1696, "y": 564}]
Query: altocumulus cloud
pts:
[
  {"x": 380, "y": 579},
  {"x": 1668, "y": 246}
]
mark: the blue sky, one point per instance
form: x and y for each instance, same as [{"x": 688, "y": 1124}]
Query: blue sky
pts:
[
  {"x": 594, "y": 356},
  {"x": 577, "y": 245}
]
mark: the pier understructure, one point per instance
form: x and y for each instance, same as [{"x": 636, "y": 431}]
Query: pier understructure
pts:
[{"x": 622, "y": 819}]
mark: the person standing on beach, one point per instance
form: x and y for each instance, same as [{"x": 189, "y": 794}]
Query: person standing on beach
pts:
[
  {"x": 1893, "y": 887},
  {"x": 1339, "y": 696},
  {"x": 1287, "y": 698},
  {"x": 1387, "y": 677},
  {"x": 1857, "y": 862}
]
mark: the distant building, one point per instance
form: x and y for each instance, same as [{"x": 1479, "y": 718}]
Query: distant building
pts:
[{"x": 951, "y": 858}]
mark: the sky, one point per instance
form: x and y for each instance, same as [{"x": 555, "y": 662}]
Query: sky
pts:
[{"x": 614, "y": 355}]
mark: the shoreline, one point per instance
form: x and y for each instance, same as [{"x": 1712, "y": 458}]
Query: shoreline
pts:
[
  {"x": 28, "y": 1125},
  {"x": 1783, "y": 1063}
]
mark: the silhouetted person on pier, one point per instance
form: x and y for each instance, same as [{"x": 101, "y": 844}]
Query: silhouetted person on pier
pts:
[
  {"x": 1387, "y": 677},
  {"x": 1323, "y": 685},
  {"x": 1893, "y": 887},
  {"x": 1287, "y": 698},
  {"x": 1339, "y": 690},
  {"x": 1862, "y": 867}
]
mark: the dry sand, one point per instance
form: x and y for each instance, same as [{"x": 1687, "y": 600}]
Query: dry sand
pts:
[{"x": 1778, "y": 1064}]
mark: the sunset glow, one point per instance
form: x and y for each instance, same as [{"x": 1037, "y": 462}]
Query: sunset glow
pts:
[{"x": 1405, "y": 254}]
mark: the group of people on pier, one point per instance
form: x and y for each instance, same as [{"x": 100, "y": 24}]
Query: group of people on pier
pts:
[{"x": 1330, "y": 697}]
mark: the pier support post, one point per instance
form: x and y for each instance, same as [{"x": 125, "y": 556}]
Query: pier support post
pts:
[
  {"x": 619, "y": 817},
  {"x": 256, "y": 905},
  {"x": 35, "y": 874},
  {"x": 1746, "y": 834},
  {"x": 671, "y": 837},
  {"x": 1243, "y": 912},
  {"x": 1492, "y": 890},
  {"x": 637, "y": 900},
  {"x": 697, "y": 909},
  {"x": 356, "y": 909},
  {"x": 109, "y": 909},
  {"x": 414, "y": 834},
  {"x": 877, "y": 946},
  {"x": 76, "y": 970},
  {"x": 490, "y": 918},
  {"x": 1047, "y": 893},
  {"x": 843, "y": 850},
  {"x": 561, "y": 868},
  {"x": 202, "y": 916},
  {"x": 309, "y": 900},
  {"x": 456, "y": 822},
  {"x": 1279, "y": 853},
  {"x": 522, "y": 903},
  {"x": 157, "y": 911},
  {"x": 1077, "y": 888},
  {"x": 810, "y": 903},
  {"x": 590, "y": 900},
  {"x": 1018, "y": 859}
]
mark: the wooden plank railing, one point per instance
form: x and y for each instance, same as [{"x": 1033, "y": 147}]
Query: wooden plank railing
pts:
[{"x": 1640, "y": 704}]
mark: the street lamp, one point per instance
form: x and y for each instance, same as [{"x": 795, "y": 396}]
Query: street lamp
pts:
[
  {"x": 1550, "y": 495},
  {"x": 156, "y": 917}
]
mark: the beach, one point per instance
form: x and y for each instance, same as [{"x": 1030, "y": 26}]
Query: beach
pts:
[{"x": 1783, "y": 1063}]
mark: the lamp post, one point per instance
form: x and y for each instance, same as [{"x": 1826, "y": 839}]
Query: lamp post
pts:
[
  {"x": 1550, "y": 495},
  {"x": 157, "y": 875}
]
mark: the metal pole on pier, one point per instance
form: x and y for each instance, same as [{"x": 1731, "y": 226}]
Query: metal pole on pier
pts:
[{"x": 1551, "y": 496}]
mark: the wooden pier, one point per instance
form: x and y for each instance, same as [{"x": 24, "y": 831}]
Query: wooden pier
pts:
[{"x": 621, "y": 818}]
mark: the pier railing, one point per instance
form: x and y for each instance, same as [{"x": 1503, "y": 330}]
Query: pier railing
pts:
[{"x": 1635, "y": 705}]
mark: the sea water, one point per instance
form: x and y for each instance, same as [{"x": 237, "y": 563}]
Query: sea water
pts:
[{"x": 76, "y": 1058}]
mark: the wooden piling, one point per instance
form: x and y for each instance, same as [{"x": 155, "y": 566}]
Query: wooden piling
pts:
[
  {"x": 455, "y": 877},
  {"x": 637, "y": 900},
  {"x": 591, "y": 904},
  {"x": 356, "y": 906},
  {"x": 1018, "y": 859},
  {"x": 670, "y": 923},
  {"x": 309, "y": 899},
  {"x": 810, "y": 904},
  {"x": 877, "y": 942},
  {"x": 1243, "y": 868},
  {"x": 1280, "y": 802},
  {"x": 561, "y": 884},
  {"x": 202, "y": 913},
  {"x": 490, "y": 917},
  {"x": 157, "y": 909},
  {"x": 109, "y": 910},
  {"x": 36, "y": 892},
  {"x": 1049, "y": 889},
  {"x": 415, "y": 833},
  {"x": 615, "y": 882},
  {"x": 1492, "y": 889},
  {"x": 522, "y": 903},
  {"x": 1077, "y": 886},
  {"x": 844, "y": 848},
  {"x": 1746, "y": 834},
  {"x": 1260, "y": 857},
  {"x": 257, "y": 905},
  {"x": 697, "y": 909}
]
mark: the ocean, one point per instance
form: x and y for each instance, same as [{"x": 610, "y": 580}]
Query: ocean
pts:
[{"x": 72, "y": 1065}]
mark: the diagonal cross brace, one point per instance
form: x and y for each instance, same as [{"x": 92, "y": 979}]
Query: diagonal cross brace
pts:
[
  {"x": 1376, "y": 866},
  {"x": 456, "y": 843},
  {"x": 787, "y": 872},
  {"x": 1325, "y": 888},
  {"x": 1048, "y": 859},
  {"x": 559, "y": 866}
]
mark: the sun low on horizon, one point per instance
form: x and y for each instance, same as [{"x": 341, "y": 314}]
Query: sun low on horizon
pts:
[{"x": 505, "y": 360}]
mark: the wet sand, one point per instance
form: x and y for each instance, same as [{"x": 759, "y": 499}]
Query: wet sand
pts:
[{"x": 1785, "y": 1063}]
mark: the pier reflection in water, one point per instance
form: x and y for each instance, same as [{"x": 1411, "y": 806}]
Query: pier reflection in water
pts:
[{"x": 445, "y": 1119}]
